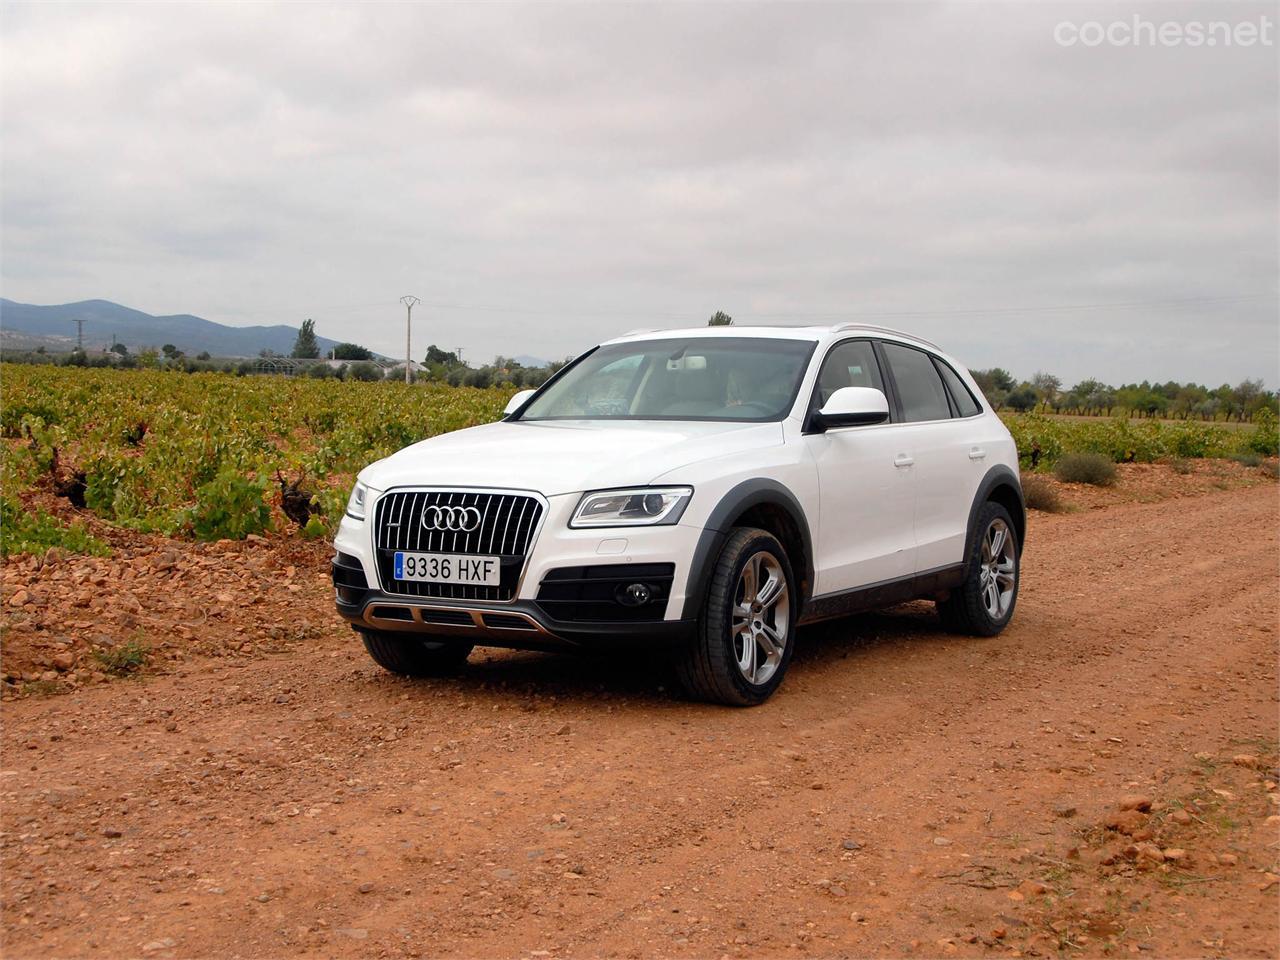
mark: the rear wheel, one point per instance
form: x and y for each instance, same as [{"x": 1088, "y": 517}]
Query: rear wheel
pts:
[
  {"x": 414, "y": 656},
  {"x": 745, "y": 636},
  {"x": 983, "y": 604}
]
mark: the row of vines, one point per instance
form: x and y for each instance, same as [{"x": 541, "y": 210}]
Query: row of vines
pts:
[
  {"x": 1043, "y": 440},
  {"x": 209, "y": 456}
]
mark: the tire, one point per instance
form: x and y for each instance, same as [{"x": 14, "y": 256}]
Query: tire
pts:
[
  {"x": 413, "y": 656},
  {"x": 739, "y": 658},
  {"x": 983, "y": 604}
]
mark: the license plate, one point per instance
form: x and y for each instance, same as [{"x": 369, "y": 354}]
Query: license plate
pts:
[{"x": 448, "y": 568}]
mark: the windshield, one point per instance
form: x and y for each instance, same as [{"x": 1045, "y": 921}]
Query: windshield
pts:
[{"x": 687, "y": 378}]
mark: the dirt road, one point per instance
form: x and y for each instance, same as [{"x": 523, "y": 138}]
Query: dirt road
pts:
[{"x": 906, "y": 792}]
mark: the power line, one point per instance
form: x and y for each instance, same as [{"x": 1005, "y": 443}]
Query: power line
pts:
[
  {"x": 851, "y": 313},
  {"x": 1044, "y": 308}
]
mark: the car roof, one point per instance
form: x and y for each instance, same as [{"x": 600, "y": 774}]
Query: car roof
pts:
[{"x": 777, "y": 332}]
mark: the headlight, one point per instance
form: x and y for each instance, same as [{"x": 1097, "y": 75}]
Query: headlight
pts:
[
  {"x": 644, "y": 506},
  {"x": 356, "y": 502}
]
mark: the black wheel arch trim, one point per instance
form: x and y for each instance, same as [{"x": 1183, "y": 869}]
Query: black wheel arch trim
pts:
[
  {"x": 998, "y": 476},
  {"x": 742, "y": 497}
]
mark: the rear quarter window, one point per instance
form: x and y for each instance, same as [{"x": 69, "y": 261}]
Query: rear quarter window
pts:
[{"x": 964, "y": 401}]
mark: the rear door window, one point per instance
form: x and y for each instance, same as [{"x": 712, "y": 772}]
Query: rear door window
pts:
[{"x": 920, "y": 389}]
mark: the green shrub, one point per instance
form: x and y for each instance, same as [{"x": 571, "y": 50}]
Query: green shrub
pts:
[
  {"x": 126, "y": 659},
  {"x": 1040, "y": 494},
  {"x": 12, "y": 415},
  {"x": 1180, "y": 466},
  {"x": 1092, "y": 468},
  {"x": 1247, "y": 459},
  {"x": 33, "y": 532},
  {"x": 230, "y": 506},
  {"x": 1264, "y": 438}
]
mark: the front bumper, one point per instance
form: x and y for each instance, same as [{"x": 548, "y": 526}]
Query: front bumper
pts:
[
  {"x": 545, "y": 612},
  {"x": 522, "y": 625}
]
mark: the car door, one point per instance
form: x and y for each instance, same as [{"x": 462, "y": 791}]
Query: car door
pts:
[
  {"x": 948, "y": 459},
  {"x": 866, "y": 484}
]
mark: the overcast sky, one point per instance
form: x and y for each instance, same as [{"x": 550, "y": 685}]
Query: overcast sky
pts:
[{"x": 547, "y": 176}]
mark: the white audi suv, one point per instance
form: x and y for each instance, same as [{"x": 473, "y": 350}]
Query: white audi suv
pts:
[{"x": 707, "y": 491}]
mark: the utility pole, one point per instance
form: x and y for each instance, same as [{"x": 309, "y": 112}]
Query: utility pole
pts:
[
  {"x": 79, "y": 322},
  {"x": 409, "y": 303}
]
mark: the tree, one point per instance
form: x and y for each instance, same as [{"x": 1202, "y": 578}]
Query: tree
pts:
[
  {"x": 997, "y": 378},
  {"x": 1023, "y": 398},
  {"x": 203, "y": 355},
  {"x": 119, "y": 348},
  {"x": 720, "y": 319},
  {"x": 435, "y": 355},
  {"x": 306, "y": 346},
  {"x": 1249, "y": 397},
  {"x": 995, "y": 384},
  {"x": 1047, "y": 387},
  {"x": 351, "y": 351},
  {"x": 364, "y": 370},
  {"x": 171, "y": 352}
]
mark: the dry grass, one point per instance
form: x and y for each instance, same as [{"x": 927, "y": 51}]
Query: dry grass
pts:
[
  {"x": 1040, "y": 494},
  {"x": 1091, "y": 468}
]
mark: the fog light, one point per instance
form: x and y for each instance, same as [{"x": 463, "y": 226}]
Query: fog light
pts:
[{"x": 636, "y": 594}]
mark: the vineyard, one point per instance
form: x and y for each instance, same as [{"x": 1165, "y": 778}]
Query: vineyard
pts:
[{"x": 209, "y": 456}]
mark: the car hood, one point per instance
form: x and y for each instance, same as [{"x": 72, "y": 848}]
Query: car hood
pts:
[{"x": 565, "y": 456}]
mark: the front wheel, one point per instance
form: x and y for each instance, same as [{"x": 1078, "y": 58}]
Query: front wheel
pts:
[
  {"x": 414, "y": 656},
  {"x": 983, "y": 604},
  {"x": 745, "y": 636}
]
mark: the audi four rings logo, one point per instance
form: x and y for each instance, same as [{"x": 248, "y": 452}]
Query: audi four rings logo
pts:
[{"x": 457, "y": 519}]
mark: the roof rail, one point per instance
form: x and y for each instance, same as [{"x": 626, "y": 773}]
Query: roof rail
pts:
[{"x": 854, "y": 325}]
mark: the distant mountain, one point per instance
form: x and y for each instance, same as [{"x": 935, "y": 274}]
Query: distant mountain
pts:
[
  {"x": 136, "y": 329},
  {"x": 527, "y": 361}
]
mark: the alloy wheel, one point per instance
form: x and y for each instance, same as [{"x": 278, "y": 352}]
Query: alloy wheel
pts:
[
  {"x": 761, "y": 617},
  {"x": 998, "y": 572}
]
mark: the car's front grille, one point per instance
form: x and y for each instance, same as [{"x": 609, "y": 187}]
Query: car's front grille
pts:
[{"x": 506, "y": 527}]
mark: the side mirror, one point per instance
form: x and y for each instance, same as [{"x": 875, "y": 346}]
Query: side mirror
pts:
[
  {"x": 852, "y": 407},
  {"x": 516, "y": 402}
]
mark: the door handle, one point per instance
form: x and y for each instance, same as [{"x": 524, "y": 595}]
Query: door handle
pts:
[
  {"x": 902, "y": 460},
  {"x": 976, "y": 453}
]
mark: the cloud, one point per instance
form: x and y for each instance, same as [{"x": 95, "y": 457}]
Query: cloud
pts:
[{"x": 547, "y": 176}]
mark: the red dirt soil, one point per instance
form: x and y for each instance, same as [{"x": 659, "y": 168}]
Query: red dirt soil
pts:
[{"x": 906, "y": 792}]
